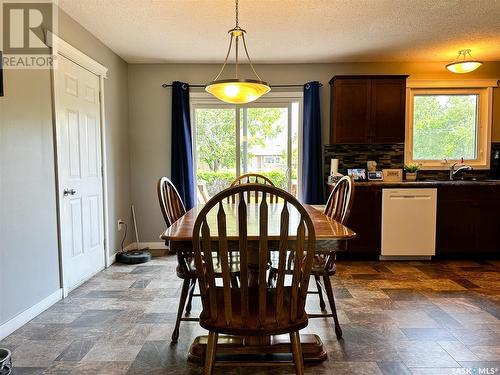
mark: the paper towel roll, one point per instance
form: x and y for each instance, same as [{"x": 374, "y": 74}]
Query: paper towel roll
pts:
[{"x": 334, "y": 167}]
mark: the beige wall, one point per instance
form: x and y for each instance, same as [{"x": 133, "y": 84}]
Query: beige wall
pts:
[
  {"x": 29, "y": 263},
  {"x": 29, "y": 260},
  {"x": 150, "y": 112}
]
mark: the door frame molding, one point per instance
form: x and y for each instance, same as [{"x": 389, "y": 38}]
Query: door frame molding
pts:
[{"x": 62, "y": 48}]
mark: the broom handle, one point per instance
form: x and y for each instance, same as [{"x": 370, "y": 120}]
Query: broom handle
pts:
[{"x": 135, "y": 228}]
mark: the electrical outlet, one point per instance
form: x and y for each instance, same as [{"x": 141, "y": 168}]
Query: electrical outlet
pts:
[{"x": 121, "y": 223}]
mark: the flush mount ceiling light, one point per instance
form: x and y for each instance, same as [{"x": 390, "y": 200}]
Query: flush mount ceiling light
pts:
[
  {"x": 237, "y": 90},
  {"x": 464, "y": 63}
]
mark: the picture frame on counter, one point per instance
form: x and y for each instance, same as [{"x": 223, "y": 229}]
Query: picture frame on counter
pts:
[
  {"x": 375, "y": 176},
  {"x": 392, "y": 175},
  {"x": 357, "y": 174}
]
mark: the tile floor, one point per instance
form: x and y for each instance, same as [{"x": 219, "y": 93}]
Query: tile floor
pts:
[{"x": 397, "y": 318}]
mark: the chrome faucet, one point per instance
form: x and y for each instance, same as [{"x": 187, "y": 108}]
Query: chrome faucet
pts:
[{"x": 454, "y": 171}]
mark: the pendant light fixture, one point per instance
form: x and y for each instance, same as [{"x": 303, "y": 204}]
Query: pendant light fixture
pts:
[
  {"x": 237, "y": 90},
  {"x": 464, "y": 63}
]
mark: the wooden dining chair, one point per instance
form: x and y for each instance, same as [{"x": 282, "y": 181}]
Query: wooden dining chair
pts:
[
  {"x": 173, "y": 209},
  {"x": 252, "y": 178},
  {"x": 253, "y": 308},
  {"x": 171, "y": 205},
  {"x": 338, "y": 207}
]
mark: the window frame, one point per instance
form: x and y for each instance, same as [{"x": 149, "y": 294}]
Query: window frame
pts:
[
  {"x": 482, "y": 88},
  {"x": 275, "y": 99}
]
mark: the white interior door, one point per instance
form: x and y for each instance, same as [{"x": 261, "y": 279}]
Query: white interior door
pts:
[{"x": 79, "y": 172}]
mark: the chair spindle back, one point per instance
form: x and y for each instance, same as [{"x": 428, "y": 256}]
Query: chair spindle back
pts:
[
  {"x": 252, "y": 178},
  {"x": 339, "y": 203},
  {"x": 255, "y": 295},
  {"x": 171, "y": 203}
]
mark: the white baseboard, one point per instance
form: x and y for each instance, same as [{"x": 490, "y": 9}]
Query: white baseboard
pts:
[
  {"x": 18, "y": 321},
  {"x": 159, "y": 245},
  {"x": 111, "y": 260},
  {"x": 131, "y": 246}
]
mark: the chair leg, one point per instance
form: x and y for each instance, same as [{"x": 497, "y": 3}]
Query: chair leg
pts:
[
  {"x": 234, "y": 281},
  {"x": 320, "y": 293},
  {"x": 297, "y": 353},
  {"x": 180, "y": 310},
  {"x": 210, "y": 352},
  {"x": 331, "y": 300},
  {"x": 271, "y": 278},
  {"x": 190, "y": 298}
]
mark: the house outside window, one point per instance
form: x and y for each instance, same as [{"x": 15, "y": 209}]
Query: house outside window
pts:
[{"x": 447, "y": 121}]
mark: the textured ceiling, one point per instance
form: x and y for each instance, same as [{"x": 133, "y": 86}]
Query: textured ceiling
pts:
[{"x": 293, "y": 30}]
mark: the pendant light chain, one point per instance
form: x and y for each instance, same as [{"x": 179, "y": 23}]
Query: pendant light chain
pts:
[
  {"x": 237, "y": 37},
  {"x": 237, "y": 19}
]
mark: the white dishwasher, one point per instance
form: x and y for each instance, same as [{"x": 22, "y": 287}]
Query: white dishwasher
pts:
[{"x": 408, "y": 223}]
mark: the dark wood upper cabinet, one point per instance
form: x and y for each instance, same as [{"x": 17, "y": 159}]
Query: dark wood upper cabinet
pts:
[
  {"x": 367, "y": 109},
  {"x": 352, "y": 121},
  {"x": 388, "y": 110}
]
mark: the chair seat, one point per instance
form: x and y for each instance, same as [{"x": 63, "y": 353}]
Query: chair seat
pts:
[
  {"x": 253, "y": 326},
  {"x": 234, "y": 263}
]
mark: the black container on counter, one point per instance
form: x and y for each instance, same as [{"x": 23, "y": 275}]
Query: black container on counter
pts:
[{"x": 495, "y": 164}]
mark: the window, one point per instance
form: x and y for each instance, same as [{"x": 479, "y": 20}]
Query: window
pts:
[
  {"x": 260, "y": 137},
  {"x": 445, "y": 124}
]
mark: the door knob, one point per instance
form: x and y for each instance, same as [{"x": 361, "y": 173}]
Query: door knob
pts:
[{"x": 69, "y": 192}]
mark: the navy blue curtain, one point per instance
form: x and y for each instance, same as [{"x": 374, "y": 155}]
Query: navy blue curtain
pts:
[
  {"x": 312, "y": 174},
  {"x": 182, "y": 153}
]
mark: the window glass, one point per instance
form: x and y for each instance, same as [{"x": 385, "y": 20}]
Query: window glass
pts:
[
  {"x": 445, "y": 127},
  {"x": 264, "y": 139},
  {"x": 215, "y": 151}
]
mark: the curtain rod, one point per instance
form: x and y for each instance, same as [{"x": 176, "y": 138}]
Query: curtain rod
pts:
[{"x": 284, "y": 85}]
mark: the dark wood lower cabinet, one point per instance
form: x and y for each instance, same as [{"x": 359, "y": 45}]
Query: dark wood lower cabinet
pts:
[
  {"x": 366, "y": 220},
  {"x": 468, "y": 222}
]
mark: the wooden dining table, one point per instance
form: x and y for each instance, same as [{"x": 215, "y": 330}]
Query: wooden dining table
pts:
[{"x": 328, "y": 235}]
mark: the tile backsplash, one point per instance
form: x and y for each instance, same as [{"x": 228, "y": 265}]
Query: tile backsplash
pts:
[
  {"x": 386, "y": 156},
  {"x": 356, "y": 156}
]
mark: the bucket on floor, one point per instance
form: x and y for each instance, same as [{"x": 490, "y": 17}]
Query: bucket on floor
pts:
[{"x": 5, "y": 362}]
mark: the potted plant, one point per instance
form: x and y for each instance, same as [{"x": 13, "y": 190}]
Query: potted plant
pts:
[{"x": 411, "y": 171}]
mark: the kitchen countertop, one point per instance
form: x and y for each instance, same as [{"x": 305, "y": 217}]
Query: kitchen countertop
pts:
[{"x": 431, "y": 183}]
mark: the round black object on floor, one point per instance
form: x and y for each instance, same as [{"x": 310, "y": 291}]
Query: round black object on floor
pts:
[
  {"x": 134, "y": 257},
  {"x": 5, "y": 362}
]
